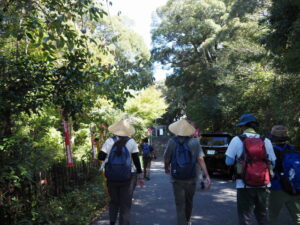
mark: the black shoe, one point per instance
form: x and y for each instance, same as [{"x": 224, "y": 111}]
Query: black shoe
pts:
[
  {"x": 112, "y": 223},
  {"x": 147, "y": 178}
]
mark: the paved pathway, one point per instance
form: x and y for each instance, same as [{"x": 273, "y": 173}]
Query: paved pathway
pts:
[{"x": 154, "y": 204}]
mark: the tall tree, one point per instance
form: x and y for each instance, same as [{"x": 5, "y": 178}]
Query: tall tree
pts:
[
  {"x": 56, "y": 51},
  {"x": 283, "y": 40},
  {"x": 44, "y": 56},
  {"x": 185, "y": 40}
]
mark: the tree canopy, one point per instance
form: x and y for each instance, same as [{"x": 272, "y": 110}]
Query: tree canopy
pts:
[
  {"x": 65, "y": 53},
  {"x": 283, "y": 39},
  {"x": 229, "y": 57}
]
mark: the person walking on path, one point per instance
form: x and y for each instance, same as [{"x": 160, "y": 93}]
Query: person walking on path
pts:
[
  {"x": 279, "y": 197},
  {"x": 148, "y": 154},
  {"x": 184, "y": 153},
  {"x": 118, "y": 154},
  {"x": 253, "y": 156}
]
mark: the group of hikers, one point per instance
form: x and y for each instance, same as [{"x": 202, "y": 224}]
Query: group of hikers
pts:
[
  {"x": 267, "y": 170},
  {"x": 268, "y": 173}
]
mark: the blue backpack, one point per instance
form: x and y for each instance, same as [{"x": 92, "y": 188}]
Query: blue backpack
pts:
[
  {"x": 146, "y": 150},
  {"x": 118, "y": 165},
  {"x": 288, "y": 168},
  {"x": 183, "y": 164}
]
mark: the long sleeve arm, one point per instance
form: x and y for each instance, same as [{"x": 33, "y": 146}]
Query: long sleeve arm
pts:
[
  {"x": 102, "y": 155},
  {"x": 136, "y": 162}
]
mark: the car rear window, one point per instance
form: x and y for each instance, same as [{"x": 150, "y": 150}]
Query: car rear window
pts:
[{"x": 219, "y": 141}]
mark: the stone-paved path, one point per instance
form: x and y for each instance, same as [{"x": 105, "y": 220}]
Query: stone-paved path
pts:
[{"x": 154, "y": 204}]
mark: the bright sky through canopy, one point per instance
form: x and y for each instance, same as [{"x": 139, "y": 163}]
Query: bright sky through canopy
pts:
[{"x": 140, "y": 11}]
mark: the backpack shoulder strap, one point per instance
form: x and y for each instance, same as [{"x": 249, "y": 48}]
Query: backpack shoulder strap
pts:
[
  {"x": 291, "y": 147},
  {"x": 176, "y": 140},
  {"x": 127, "y": 139},
  {"x": 279, "y": 148},
  {"x": 185, "y": 141},
  {"x": 285, "y": 147},
  {"x": 242, "y": 137},
  {"x": 115, "y": 139},
  {"x": 181, "y": 144}
]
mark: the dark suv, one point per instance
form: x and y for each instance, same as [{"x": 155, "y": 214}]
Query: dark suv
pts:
[{"x": 214, "y": 146}]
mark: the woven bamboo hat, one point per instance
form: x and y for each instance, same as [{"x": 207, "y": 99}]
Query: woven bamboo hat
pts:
[
  {"x": 182, "y": 128},
  {"x": 122, "y": 128}
]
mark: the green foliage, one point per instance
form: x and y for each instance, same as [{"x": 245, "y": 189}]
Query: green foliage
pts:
[
  {"x": 42, "y": 131},
  {"x": 184, "y": 36},
  {"x": 174, "y": 97},
  {"x": 285, "y": 91},
  {"x": 186, "y": 40},
  {"x": 283, "y": 40},
  {"x": 242, "y": 9},
  {"x": 231, "y": 72},
  {"x": 58, "y": 55},
  {"x": 104, "y": 112},
  {"x": 22, "y": 88},
  {"x": 144, "y": 108},
  {"x": 76, "y": 207},
  {"x": 48, "y": 25},
  {"x": 147, "y": 104},
  {"x": 131, "y": 55},
  {"x": 33, "y": 70},
  {"x": 27, "y": 160}
]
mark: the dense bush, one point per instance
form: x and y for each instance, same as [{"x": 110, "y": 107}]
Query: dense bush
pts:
[{"x": 77, "y": 207}]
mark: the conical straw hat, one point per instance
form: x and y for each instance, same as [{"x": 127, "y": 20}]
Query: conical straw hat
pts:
[
  {"x": 122, "y": 128},
  {"x": 182, "y": 128}
]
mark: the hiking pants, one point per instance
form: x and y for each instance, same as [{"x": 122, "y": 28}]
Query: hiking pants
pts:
[
  {"x": 251, "y": 200},
  {"x": 184, "y": 193},
  {"x": 120, "y": 199},
  {"x": 278, "y": 199},
  {"x": 147, "y": 165}
]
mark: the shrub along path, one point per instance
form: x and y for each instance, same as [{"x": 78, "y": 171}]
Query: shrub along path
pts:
[{"x": 154, "y": 204}]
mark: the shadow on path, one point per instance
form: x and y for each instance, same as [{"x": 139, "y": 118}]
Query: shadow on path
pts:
[{"x": 154, "y": 204}]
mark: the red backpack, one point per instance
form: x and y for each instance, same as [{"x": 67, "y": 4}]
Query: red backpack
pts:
[{"x": 254, "y": 161}]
